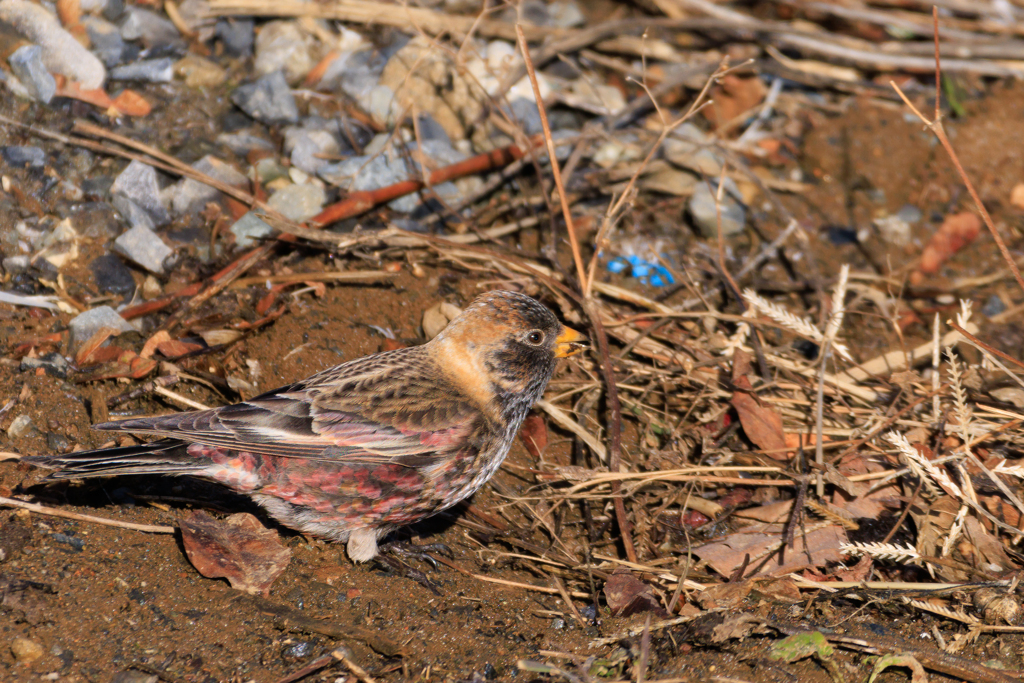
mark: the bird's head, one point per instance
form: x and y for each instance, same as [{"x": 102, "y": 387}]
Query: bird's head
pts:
[{"x": 505, "y": 344}]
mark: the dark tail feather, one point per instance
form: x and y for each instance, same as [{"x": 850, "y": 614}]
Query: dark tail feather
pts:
[{"x": 167, "y": 456}]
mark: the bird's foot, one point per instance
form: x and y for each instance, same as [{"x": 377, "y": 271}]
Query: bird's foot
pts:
[{"x": 395, "y": 556}]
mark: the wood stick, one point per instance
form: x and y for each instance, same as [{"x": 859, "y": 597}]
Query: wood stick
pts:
[
  {"x": 54, "y": 512},
  {"x": 384, "y": 14}
]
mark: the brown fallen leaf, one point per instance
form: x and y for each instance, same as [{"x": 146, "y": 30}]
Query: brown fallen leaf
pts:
[
  {"x": 734, "y": 95},
  {"x": 74, "y": 90},
  {"x": 761, "y": 424},
  {"x": 237, "y": 548},
  {"x": 176, "y": 348},
  {"x": 87, "y": 354},
  {"x": 724, "y": 595},
  {"x": 628, "y": 595},
  {"x": 534, "y": 434},
  {"x": 150, "y": 347}
]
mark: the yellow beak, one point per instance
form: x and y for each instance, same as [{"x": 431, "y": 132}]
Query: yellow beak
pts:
[{"x": 569, "y": 342}]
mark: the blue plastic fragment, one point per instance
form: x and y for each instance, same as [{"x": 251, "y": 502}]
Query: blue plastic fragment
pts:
[{"x": 647, "y": 272}]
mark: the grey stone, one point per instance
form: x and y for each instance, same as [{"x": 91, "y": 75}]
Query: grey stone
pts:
[
  {"x": 85, "y": 325},
  {"x": 243, "y": 143},
  {"x": 389, "y": 167},
  {"x": 133, "y": 214},
  {"x": 23, "y": 157},
  {"x": 113, "y": 10},
  {"x": 380, "y": 103},
  {"x": 138, "y": 184},
  {"x": 704, "y": 213},
  {"x": 27, "y": 64},
  {"x": 361, "y": 73},
  {"x": 526, "y": 114},
  {"x": 994, "y": 306},
  {"x": 533, "y": 12},
  {"x": 566, "y": 14},
  {"x": 106, "y": 40},
  {"x": 53, "y": 364},
  {"x": 144, "y": 247},
  {"x": 269, "y": 169},
  {"x": 268, "y": 99},
  {"x": 307, "y": 147},
  {"x": 430, "y": 129},
  {"x": 909, "y": 213},
  {"x": 61, "y": 53},
  {"x": 11, "y": 82},
  {"x": 283, "y": 46},
  {"x": 15, "y": 265},
  {"x": 894, "y": 230},
  {"x": 151, "y": 29},
  {"x": 237, "y": 34},
  {"x": 147, "y": 71},
  {"x": 249, "y": 229},
  {"x": 112, "y": 275},
  {"x": 298, "y": 202},
  {"x": 191, "y": 196},
  {"x": 371, "y": 173}
]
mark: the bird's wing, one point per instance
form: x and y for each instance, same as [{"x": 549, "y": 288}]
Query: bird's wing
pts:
[{"x": 391, "y": 407}]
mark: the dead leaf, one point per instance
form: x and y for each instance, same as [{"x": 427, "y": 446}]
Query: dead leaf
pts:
[
  {"x": 153, "y": 342},
  {"x": 319, "y": 288},
  {"x": 73, "y": 89},
  {"x": 726, "y": 555},
  {"x": 761, "y": 424},
  {"x": 87, "y": 353},
  {"x": 237, "y": 548},
  {"x": 176, "y": 348},
  {"x": 724, "y": 595},
  {"x": 627, "y": 595},
  {"x": 534, "y": 435},
  {"x": 734, "y": 95},
  {"x": 736, "y": 627}
]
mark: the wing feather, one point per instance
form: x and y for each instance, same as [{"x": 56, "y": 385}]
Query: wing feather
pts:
[{"x": 392, "y": 407}]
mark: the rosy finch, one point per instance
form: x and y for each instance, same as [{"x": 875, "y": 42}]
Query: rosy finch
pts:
[{"x": 367, "y": 446}]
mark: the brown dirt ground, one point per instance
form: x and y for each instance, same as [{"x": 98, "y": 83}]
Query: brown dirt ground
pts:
[{"x": 111, "y": 600}]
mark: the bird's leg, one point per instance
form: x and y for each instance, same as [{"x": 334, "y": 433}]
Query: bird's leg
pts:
[
  {"x": 411, "y": 551},
  {"x": 395, "y": 556}
]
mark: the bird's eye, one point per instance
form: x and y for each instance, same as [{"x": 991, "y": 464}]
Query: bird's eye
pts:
[{"x": 536, "y": 338}]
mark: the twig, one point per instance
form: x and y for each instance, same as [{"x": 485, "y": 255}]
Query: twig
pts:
[
  {"x": 556, "y": 171},
  {"x": 361, "y": 201},
  {"x": 178, "y": 398},
  {"x": 343, "y": 655},
  {"x": 936, "y": 127},
  {"x": 590, "y": 308},
  {"x": 383, "y": 14},
  {"x": 54, "y": 512}
]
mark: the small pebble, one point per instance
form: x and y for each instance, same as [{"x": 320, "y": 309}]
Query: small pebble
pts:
[
  {"x": 23, "y": 157},
  {"x": 146, "y": 71},
  {"x": 26, "y": 651},
  {"x": 27, "y": 64},
  {"x": 21, "y": 426},
  {"x": 268, "y": 99}
]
